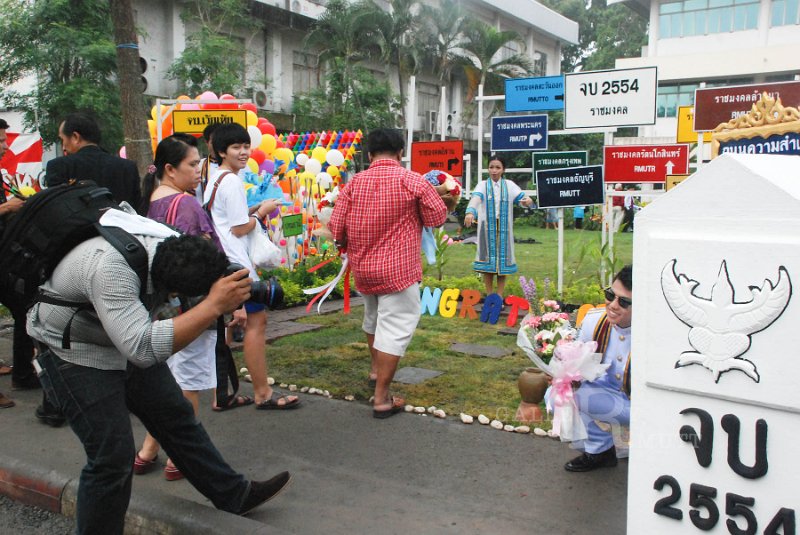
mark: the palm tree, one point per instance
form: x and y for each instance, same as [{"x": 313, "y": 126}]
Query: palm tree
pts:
[
  {"x": 485, "y": 64},
  {"x": 397, "y": 46},
  {"x": 345, "y": 35}
]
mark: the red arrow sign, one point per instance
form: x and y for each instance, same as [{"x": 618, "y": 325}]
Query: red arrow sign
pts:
[
  {"x": 447, "y": 156},
  {"x": 644, "y": 163}
]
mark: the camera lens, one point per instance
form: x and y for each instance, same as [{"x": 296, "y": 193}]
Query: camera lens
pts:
[{"x": 268, "y": 292}]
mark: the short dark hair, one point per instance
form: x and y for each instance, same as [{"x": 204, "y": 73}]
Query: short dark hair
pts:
[
  {"x": 83, "y": 124},
  {"x": 625, "y": 276},
  {"x": 496, "y": 158},
  {"x": 227, "y": 135},
  {"x": 187, "y": 265},
  {"x": 385, "y": 140},
  {"x": 208, "y": 131},
  {"x": 3, "y": 124}
]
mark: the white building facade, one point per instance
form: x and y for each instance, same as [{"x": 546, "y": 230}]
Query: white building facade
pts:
[
  {"x": 718, "y": 42},
  {"x": 278, "y": 65}
]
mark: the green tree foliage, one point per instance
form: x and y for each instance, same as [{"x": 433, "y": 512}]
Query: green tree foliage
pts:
[
  {"x": 69, "y": 48},
  {"x": 606, "y": 33},
  {"x": 345, "y": 36},
  {"x": 215, "y": 56}
]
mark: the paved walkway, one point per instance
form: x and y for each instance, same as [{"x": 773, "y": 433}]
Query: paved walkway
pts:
[{"x": 351, "y": 473}]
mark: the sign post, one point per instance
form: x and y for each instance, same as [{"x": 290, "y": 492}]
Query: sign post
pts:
[
  {"x": 519, "y": 133},
  {"x": 545, "y": 93},
  {"x": 447, "y": 156},
  {"x": 621, "y": 97},
  {"x": 644, "y": 163},
  {"x": 574, "y": 186}
]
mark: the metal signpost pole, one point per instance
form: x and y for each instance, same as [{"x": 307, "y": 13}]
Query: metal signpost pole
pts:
[
  {"x": 411, "y": 115},
  {"x": 443, "y": 113},
  {"x": 700, "y": 142},
  {"x": 480, "y": 134},
  {"x": 560, "y": 252}
]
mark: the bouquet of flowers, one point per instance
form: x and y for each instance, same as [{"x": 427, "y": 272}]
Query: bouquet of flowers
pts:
[{"x": 545, "y": 326}]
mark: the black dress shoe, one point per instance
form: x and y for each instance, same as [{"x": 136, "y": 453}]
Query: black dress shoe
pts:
[
  {"x": 591, "y": 461},
  {"x": 53, "y": 419},
  {"x": 31, "y": 383},
  {"x": 263, "y": 491}
]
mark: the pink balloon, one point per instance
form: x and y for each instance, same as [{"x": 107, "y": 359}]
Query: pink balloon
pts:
[
  {"x": 208, "y": 95},
  {"x": 122, "y": 152}
]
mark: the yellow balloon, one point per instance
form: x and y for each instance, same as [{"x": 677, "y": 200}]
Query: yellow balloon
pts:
[
  {"x": 268, "y": 144},
  {"x": 153, "y": 113},
  {"x": 27, "y": 191},
  {"x": 333, "y": 170},
  {"x": 291, "y": 174},
  {"x": 252, "y": 165},
  {"x": 252, "y": 118},
  {"x": 315, "y": 191},
  {"x": 151, "y": 126},
  {"x": 319, "y": 154},
  {"x": 305, "y": 175},
  {"x": 284, "y": 154}
]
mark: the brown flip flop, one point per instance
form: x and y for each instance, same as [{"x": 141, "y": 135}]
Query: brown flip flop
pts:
[
  {"x": 272, "y": 404},
  {"x": 398, "y": 405},
  {"x": 6, "y": 402}
]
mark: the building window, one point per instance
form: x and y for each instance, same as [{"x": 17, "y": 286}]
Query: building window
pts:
[
  {"x": 304, "y": 72},
  {"x": 427, "y": 98},
  {"x": 785, "y": 12},
  {"x": 701, "y": 17},
  {"x": 539, "y": 63},
  {"x": 672, "y": 96}
]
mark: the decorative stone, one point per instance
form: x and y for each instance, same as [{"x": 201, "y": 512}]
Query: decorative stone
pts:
[
  {"x": 496, "y": 424},
  {"x": 270, "y": 381},
  {"x": 551, "y": 434},
  {"x": 312, "y": 390},
  {"x": 409, "y": 408},
  {"x": 283, "y": 385},
  {"x": 483, "y": 420},
  {"x": 509, "y": 428},
  {"x": 466, "y": 418},
  {"x": 539, "y": 432},
  {"x": 439, "y": 413},
  {"x": 327, "y": 394},
  {"x": 431, "y": 409},
  {"x": 349, "y": 397},
  {"x": 419, "y": 410},
  {"x": 242, "y": 371},
  {"x": 292, "y": 388},
  {"x": 523, "y": 429},
  {"x": 304, "y": 389},
  {"x": 247, "y": 378}
]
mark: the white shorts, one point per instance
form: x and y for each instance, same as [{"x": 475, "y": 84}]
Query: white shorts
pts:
[
  {"x": 392, "y": 318},
  {"x": 195, "y": 366}
]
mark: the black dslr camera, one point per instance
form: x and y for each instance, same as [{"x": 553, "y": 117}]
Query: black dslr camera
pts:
[{"x": 267, "y": 292}]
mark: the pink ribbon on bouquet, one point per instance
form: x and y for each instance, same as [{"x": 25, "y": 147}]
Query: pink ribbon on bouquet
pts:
[{"x": 563, "y": 397}]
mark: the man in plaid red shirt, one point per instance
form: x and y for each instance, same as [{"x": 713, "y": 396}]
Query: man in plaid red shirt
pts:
[{"x": 378, "y": 219}]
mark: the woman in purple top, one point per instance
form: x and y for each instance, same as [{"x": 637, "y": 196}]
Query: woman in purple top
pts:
[{"x": 177, "y": 171}]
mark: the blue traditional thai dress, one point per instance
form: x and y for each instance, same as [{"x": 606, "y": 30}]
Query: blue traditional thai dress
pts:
[{"x": 492, "y": 203}]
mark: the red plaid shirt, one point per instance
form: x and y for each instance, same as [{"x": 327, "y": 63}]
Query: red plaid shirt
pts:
[{"x": 380, "y": 214}]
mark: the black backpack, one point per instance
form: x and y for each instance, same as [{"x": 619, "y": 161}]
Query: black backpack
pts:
[{"x": 46, "y": 228}]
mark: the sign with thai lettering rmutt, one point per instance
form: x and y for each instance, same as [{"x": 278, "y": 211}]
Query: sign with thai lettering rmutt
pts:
[
  {"x": 769, "y": 128},
  {"x": 575, "y": 186},
  {"x": 195, "y": 121},
  {"x": 447, "y": 156},
  {"x": 714, "y": 367},
  {"x": 620, "y": 97},
  {"x": 519, "y": 132},
  {"x": 545, "y": 93},
  {"x": 686, "y": 133},
  {"x": 644, "y": 163},
  {"x": 717, "y": 105}
]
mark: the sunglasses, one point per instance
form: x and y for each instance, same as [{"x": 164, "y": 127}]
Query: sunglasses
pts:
[{"x": 624, "y": 302}]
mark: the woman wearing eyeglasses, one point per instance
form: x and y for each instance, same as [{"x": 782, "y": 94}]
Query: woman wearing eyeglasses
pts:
[{"x": 606, "y": 399}]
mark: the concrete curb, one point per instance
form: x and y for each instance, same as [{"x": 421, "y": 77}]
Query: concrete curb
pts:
[{"x": 154, "y": 513}]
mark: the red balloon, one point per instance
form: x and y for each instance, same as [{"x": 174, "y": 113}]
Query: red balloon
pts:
[
  {"x": 262, "y": 127},
  {"x": 226, "y": 106},
  {"x": 249, "y": 106},
  {"x": 270, "y": 129},
  {"x": 258, "y": 155}
]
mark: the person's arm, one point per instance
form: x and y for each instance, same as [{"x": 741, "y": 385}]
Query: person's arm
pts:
[
  {"x": 11, "y": 205},
  {"x": 338, "y": 222},
  {"x": 54, "y": 173},
  {"x": 472, "y": 208},
  {"x": 260, "y": 211},
  {"x": 432, "y": 209}
]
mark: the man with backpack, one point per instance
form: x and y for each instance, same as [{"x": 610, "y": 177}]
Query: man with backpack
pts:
[{"x": 102, "y": 356}]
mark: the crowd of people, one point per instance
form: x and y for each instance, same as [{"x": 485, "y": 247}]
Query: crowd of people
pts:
[{"x": 153, "y": 361}]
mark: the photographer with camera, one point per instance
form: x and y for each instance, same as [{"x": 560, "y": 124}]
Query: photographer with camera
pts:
[
  {"x": 99, "y": 363},
  {"x": 225, "y": 199}
]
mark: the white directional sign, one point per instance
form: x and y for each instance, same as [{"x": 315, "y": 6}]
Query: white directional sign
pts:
[{"x": 621, "y": 97}]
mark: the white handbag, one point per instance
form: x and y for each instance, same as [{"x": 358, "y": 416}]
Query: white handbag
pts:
[{"x": 263, "y": 253}]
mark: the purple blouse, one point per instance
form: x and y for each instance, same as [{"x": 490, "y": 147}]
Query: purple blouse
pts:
[{"x": 191, "y": 218}]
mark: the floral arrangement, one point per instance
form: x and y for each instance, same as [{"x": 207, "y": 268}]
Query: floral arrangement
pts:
[{"x": 546, "y": 326}]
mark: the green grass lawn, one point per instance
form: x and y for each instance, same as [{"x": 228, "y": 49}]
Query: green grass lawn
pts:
[{"x": 336, "y": 357}]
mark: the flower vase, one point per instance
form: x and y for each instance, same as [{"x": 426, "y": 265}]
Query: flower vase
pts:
[{"x": 532, "y": 384}]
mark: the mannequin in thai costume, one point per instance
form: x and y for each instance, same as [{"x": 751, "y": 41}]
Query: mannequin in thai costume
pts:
[{"x": 492, "y": 205}]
